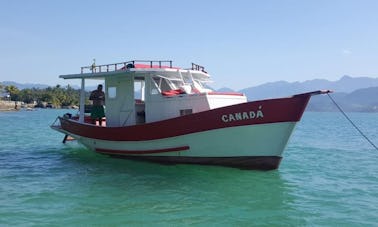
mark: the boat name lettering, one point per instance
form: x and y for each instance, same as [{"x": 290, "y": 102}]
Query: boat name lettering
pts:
[{"x": 243, "y": 115}]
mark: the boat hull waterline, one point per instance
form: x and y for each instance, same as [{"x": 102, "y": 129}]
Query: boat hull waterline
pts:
[{"x": 251, "y": 135}]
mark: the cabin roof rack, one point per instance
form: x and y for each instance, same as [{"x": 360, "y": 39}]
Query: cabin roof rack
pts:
[
  {"x": 147, "y": 64},
  {"x": 126, "y": 65},
  {"x": 198, "y": 67}
]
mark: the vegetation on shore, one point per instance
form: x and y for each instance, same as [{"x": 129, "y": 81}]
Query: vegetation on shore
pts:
[{"x": 56, "y": 96}]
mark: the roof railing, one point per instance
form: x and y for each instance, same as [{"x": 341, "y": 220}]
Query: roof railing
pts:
[
  {"x": 124, "y": 65},
  {"x": 131, "y": 64},
  {"x": 198, "y": 67}
]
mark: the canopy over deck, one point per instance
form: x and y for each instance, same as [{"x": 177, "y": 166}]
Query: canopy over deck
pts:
[{"x": 135, "y": 66}]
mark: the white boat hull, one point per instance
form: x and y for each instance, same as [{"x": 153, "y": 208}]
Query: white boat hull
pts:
[
  {"x": 251, "y": 140},
  {"x": 240, "y": 147},
  {"x": 250, "y": 135}
]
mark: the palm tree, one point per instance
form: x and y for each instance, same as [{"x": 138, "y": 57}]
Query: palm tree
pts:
[{"x": 13, "y": 91}]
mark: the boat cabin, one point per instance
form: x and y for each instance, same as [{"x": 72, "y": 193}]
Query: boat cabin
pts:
[{"x": 139, "y": 92}]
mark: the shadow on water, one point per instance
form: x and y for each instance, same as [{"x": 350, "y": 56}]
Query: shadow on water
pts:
[{"x": 100, "y": 189}]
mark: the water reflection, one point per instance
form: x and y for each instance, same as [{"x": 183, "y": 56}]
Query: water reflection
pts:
[{"x": 190, "y": 193}]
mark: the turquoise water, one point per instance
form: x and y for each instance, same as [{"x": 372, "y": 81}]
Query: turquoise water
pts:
[{"x": 328, "y": 177}]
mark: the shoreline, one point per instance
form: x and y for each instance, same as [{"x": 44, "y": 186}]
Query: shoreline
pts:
[
  {"x": 9, "y": 106},
  {"x": 13, "y": 106}
]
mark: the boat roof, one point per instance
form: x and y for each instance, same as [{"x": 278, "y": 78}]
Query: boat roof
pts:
[{"x": 136, "y": 67}]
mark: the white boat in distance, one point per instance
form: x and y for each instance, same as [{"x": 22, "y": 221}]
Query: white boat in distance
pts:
[{"x": 157, "y": 112}]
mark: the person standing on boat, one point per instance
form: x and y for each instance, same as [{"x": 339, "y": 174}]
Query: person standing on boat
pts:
[{"x": 98, "y": 98}]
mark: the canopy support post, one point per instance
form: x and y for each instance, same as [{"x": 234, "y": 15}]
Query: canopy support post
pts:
[{"x": 82, "y": 101}]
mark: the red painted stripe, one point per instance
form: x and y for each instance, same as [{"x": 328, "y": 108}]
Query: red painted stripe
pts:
[
  {"x": 128, "y": 152},
  {"x": 275, "y": 110}
]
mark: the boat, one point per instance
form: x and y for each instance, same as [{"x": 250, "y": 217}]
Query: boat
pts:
[{"x": 161, "y": 113}]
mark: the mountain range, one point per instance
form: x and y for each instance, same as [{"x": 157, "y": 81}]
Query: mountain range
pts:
[
  {"x": 346, "y": 84},
  {"x": 353, "y": 94},
  {"x": 21, "y": 86}
]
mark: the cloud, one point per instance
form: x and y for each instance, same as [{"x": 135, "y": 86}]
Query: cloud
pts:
[{"x": 346, "y": 52}]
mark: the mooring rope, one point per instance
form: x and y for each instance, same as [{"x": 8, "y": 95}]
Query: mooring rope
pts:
[{"x": 354, "y": 125}]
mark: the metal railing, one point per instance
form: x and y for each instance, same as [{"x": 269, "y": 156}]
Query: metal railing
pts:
[
  {"x": 198, "y": 67},
  {"x": 125, "y": 65},
  {"x": 131, "y": 64}
]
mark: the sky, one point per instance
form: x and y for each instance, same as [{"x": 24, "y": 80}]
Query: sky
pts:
[{"x": 240, "y": 43}]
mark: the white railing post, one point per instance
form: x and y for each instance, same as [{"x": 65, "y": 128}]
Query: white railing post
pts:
[{"x": 82, "y": 101}]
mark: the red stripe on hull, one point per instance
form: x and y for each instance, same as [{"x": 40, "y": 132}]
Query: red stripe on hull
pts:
[
  {"x": 274, "y": 110},
  {"x": 247, "y": 163},
  {"x": 128, "y": 152}
]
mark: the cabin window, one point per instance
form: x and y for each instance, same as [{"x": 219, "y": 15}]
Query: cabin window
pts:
[
  {"x": 187, "y": 78},
  {"x": 154, "y": 91},
  {"x": 112, "y": 92},
  {"x": 162, "y": 83},
  {"x": 139, "y": 90},
  {"x": 154, "y": 88},
  {"x": 186, "y": 112},
  {"x": 177, "y": 84}
]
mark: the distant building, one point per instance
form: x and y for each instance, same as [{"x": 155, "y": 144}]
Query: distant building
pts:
[{"x": 5, "y": 96}]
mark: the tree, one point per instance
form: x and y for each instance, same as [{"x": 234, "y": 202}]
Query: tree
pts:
[
  {"x": 27, "y": 95},
  {"x": 13, "y": 91},
  {"x": 58, "y": 95}
]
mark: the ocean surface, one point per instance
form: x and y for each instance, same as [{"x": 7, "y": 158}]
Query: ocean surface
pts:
[{"x": 328, "y": 177}]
